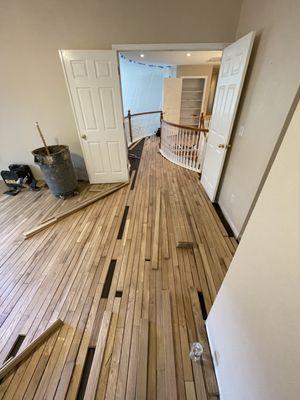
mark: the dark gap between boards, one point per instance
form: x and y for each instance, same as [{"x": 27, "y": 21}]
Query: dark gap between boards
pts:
[
  {"x": 15, "y": 347},
  {"x": 135, "y": 162},
  {"x": 202, "y": 305},
  {"x": 123, "y": 222},
  {"x": 108, "y": 279},
  {"x": 85, "y": 373}
]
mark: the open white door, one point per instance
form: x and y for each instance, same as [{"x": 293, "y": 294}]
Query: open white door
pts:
[
  {"x": 230, "y": 82},
  {"x": 94, "y": 87}
]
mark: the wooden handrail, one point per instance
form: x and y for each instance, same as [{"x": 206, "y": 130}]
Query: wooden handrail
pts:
[
  {"x": 192, "y": 128},
  {"x": 129, "y": 116},
  {"x": 142, "y": 113}
]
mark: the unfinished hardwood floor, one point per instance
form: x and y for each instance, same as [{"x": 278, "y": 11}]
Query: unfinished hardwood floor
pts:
[{"x": 131, "y": 301}]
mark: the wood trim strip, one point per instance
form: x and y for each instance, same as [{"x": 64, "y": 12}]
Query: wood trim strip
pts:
[
  {"x": 45, "y": 224},
  {"x": 10, "y": 365}
]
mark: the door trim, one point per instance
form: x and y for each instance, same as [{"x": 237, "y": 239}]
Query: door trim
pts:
[{"x": 171, "y": 46}]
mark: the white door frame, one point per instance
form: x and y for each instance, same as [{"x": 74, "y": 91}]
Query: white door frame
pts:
[{"x": 171, "y": 46}]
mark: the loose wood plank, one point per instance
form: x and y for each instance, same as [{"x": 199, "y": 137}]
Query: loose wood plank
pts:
[
  {"x": 15, "y": 361},
  {"x": 80, "y": 206},
  {"x": 184, "y": 245}
]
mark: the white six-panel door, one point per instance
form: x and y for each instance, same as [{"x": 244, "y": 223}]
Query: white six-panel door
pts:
[
  {"x": 230, "y": 82},
  {"x": 94, "y": 87}
]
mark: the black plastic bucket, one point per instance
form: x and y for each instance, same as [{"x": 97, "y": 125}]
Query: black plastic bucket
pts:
[{"x": 57, "y": 169}]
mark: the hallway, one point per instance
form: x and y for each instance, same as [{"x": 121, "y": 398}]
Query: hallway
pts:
[{"x": 131, "y": 301}]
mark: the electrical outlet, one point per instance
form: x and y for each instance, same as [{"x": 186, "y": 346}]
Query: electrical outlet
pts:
[
  {"x": 232, "y": 198},
  {"x": 217, "y": 357},
  {"x": 241, "y": 130}
]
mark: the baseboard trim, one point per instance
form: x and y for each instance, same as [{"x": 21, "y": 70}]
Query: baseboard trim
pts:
[
  {"x": 214, "y": 362},
  {"x": 229, "y": 222}
]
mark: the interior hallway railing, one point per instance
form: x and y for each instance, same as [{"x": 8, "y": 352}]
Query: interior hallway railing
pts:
[
  {"x": 140, "y": 125},
  {"x": 183, "y": 145}
]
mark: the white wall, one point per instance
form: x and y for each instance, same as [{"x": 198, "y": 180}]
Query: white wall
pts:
[
  {"x": 142, "y": 87},
  {"x": 271, "y": 84},
  {"x": 31, "y": 80},
  {"x": 254, "y": 323}
]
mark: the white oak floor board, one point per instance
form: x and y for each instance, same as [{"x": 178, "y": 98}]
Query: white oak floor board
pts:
[{"x": 143, "y": 327}]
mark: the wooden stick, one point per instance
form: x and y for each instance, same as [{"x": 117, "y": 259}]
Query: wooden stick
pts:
[
  {"x": 15, "y": 361},
  {"x": 42, "y": 137},
  {"x": 57, "y": 217}
]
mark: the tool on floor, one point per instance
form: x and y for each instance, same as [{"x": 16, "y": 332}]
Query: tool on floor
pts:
[
  {"x": 17, "y": 177},
  {"x": 196, "y": 351}
]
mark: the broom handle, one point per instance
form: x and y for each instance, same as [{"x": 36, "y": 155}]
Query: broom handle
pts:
[{"x": 42, "y": 137}]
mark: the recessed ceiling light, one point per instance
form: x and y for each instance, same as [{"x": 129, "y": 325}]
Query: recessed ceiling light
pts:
[
  {"x": 188, "y": 54},
  {"x": 142, "y": 55}
]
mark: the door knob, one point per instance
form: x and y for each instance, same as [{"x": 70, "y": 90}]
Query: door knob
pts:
[
  {"x": 224, "y": 146},
  {"x": 83, "y": 136}
]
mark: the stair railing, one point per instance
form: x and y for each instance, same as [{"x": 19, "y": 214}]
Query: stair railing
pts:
[
  {"x": 142, "y": 124},
  {"x": 183, "y": 145}
]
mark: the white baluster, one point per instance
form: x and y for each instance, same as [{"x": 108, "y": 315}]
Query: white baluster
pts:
[
  {"x": 180, "y": 139},
  {"x": 195, "y": 137},
  {"x": 186, "y": 147},
  {"x": 182, "y": 147},
  {"x": 190, "y": 148}
]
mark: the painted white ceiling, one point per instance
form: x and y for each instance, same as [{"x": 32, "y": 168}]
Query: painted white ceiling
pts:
[{"x": 175, "y": 57}]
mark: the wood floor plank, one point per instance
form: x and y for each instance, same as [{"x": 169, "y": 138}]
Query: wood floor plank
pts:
[{"x": 142, "y": 329}]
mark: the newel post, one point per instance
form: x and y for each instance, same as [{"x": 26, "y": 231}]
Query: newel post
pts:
[{"x": 129, "y": 125}]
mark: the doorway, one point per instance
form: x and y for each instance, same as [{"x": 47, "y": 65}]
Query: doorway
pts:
[
  {"x": 94, "y": 86},
  {"x": 178, "y": 83}
]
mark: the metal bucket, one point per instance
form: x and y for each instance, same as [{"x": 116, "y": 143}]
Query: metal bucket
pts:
[{"x": 57, "y": 169}]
